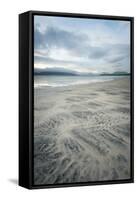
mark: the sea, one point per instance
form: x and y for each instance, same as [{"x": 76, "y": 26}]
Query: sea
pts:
[{"x": 41, "y": 81}]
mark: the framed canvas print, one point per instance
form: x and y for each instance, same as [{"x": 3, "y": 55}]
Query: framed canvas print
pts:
[{"x": 75, "y": 99}]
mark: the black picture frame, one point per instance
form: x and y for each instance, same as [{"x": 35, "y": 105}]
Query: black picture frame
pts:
[{"x": 26, "y": 97}]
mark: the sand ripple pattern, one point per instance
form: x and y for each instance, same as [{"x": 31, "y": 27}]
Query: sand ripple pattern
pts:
[{"x": 82, "y": 133}]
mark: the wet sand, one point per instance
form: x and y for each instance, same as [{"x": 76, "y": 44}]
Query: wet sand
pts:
[{"x": 82, "y": 132}]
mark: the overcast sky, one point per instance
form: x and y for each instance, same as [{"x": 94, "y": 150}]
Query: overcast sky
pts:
[{"x": 84, "y": 45}]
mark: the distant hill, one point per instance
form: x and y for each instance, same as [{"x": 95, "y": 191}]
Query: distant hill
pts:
[
  {"x": 115, "y": 74},
  {"x": 59, "y": 71},
  {"x": 55, "y": 71}
]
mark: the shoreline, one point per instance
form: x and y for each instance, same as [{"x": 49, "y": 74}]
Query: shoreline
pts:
[{"x": 78, "y": 84}]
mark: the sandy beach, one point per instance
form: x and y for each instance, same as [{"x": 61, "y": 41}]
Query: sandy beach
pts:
[{"x": 82, "y": 132}]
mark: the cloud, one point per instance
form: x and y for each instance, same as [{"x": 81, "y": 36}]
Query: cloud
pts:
[
  {"x": 98, "y": 52},
  {"x": 118, "y": 54},
  {"x": 77, "y": 45},
  {"x": 56, "y": 46},
  {"x": 54, "y": 37},
  {"x": 43, "y": 60}
]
